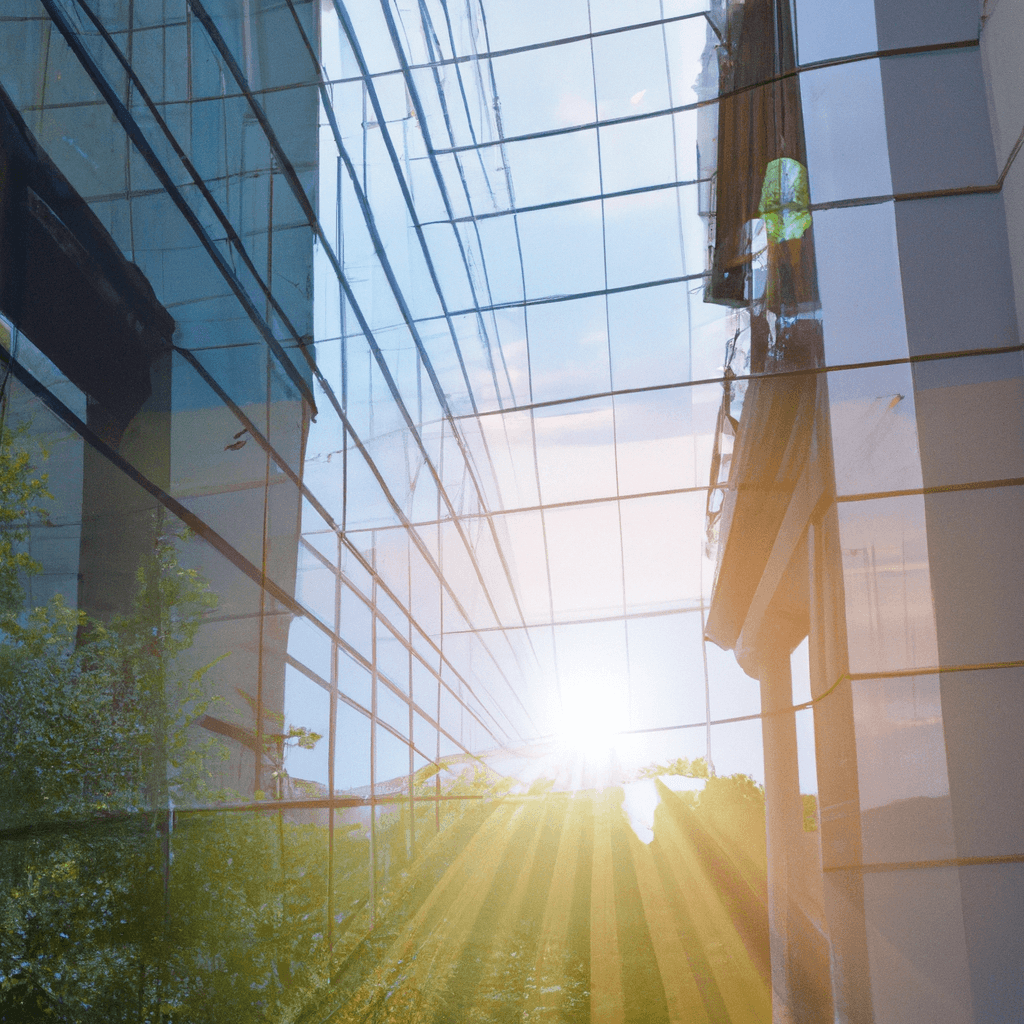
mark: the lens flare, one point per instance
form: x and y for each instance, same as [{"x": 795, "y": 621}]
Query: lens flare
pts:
[{"x": 590, "y": 718}]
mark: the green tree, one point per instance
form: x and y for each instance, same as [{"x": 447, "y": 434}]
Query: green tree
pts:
[
  {"x": 695, "y": 769},
  {"x": 114, "y": 906}
]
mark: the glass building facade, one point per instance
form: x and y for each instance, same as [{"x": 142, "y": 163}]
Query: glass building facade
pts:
[{"x": 511, "y": 510}]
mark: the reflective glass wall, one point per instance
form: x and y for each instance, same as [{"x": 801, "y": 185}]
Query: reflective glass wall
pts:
[{"x": 411, "y": 411}]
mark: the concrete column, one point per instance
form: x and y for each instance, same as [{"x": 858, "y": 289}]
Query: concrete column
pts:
[
  {"x": 801, "y": 981},
  {"x": 782, "y": 799}
]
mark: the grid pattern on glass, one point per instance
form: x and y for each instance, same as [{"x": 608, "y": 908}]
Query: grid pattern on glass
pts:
[{"x": 443, "y": 387}]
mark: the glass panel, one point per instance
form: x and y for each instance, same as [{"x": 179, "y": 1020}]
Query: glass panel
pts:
[
  {"x": 209, "y": 797},
  {"x": 666, "y": 670},
  {"x": 890, "y": 616},
  {"x": 314, "y": 586},
  {"x": 562, "y": 250},
  {"x": 534, "y": 22},
  {"x": 391, "y": 761},
  {"x": 393, "y": 658},
  {"x": 649, "y": 342},
  {"x": 619, "y": 145},
  {"x": 298, "y": 752},
  {"x": 874, "y": 430},
  {"x": 355, "y": 680},
  {"x": 931, "y": 970},
  {"x": 568, "y": 349},
  {"x": 862, "y": 301},
  {"x": 662, "y": 567},
  {"x": 555, "y": 167},
  {"x": 605, "y": 14},
  {"x": 847, "y": 154},
  {"x": 352, "y": 754},
  {"x": 653, "y": 441},
  {"x": 526, "y": 544},
  {"x": 575, "y": 451},
  {"x": 584, "y": 555},
  {"x": 309, "y": 644},
  {"x": 962, "y": 406},
  {"x": 904, "y": 788},
  {"x": 643, "y": 237},
  {"x": 834, "y": 28},
  {"x": 629, "y": 81},
  {"x": 546, "y": 88},
  {"x": 392, "y": 709}
]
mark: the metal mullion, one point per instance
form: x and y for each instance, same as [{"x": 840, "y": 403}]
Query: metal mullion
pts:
[
  {"x": 439, "y": 177},
  {"x": 198, "y": 525},
  {"x": 332, "y": 752},
  {"x": 373, "y": 766},
  {"x": 355, "y": 551},
  {"x": 412, "y": 737},
  {"x": 611, "y": 383},
  {"x": 565, "y": 504},
  {"x": 442, "y": 398},
  {"x": 134, "y": 132},
  {"x": 689, "y": 349},
  {"x": 546, "y": 133},
  {"x": 440, "y": 666},
  {"x": 803, "y": 372},
  {"x": 556, "y": 203},
  {"x": 201, "y": 183},
  {"x": 622, "y": 617},
  {"x": 319, "y": 555},
  {"x": 546, "y": 300},
  {"x": 407, "y": 643}
]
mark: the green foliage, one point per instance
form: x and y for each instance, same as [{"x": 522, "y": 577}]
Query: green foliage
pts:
[
  {"x": 810, "y": 802},
  {"x": 94, "y": 716},
  {"x": 368, "y": 982},
  {"x": 731, "y": 810},
  {"x": 248, "y": 915},
  {"x": 541, "y": 786},
  {"x": 114, "y": 907},
  {"x": 695, "y": 769},
  {"x": 95, "y": 746},
  {"x": 277, "y": 744},
  {"x": 22, "y": 492}
]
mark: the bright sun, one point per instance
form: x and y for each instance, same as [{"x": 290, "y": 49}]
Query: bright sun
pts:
[{"x": 589, "y": 719}]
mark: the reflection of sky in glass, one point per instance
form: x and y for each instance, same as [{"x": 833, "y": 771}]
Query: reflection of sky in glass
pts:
[
  {"x": 605, "y": 496},
  {"x": 492, "y": 536}
]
